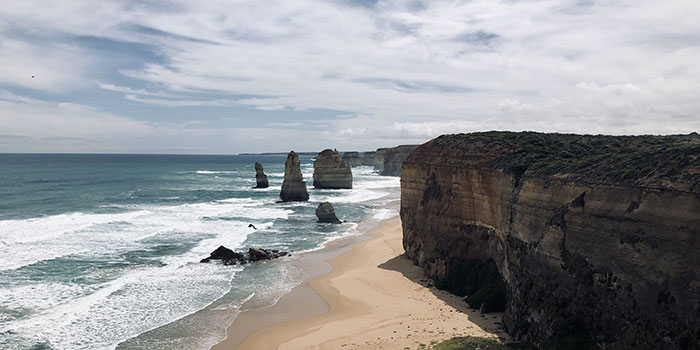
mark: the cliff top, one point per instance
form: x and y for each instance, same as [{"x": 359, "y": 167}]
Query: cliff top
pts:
[{"x": 665, "y": 161}]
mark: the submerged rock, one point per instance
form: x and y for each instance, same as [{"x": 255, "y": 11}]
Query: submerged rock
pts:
[
  {"x": 331, "y": 171},
  {"x": 258, "y": 254},
  {"x": 294, "y": 186},
  {"x": 260, "y": 177},
  {"x": 326, "y": 213},
  {"x": 227, "y": 256}
]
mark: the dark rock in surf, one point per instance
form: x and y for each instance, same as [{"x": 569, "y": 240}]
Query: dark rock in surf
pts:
[
  {"x": 326, "y": 214},
  {"x": 259, "y": 254},
  {"x": 227, "y": 256}
]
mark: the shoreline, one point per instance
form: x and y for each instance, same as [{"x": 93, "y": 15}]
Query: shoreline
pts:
[{"x": 362, "y": 294}]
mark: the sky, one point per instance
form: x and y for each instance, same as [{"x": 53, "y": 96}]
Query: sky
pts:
[{"x": 224, "y": 77}]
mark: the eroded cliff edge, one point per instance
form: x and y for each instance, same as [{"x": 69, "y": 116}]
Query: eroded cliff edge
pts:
[{"x": 596, "y": 237}]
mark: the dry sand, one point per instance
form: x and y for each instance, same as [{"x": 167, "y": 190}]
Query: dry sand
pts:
[{"x": 374, "y": 298}]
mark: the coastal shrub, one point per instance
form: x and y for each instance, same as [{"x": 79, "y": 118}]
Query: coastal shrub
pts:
[
  {"x": 596, "y": 158},
  {"x": 471, "y": 343}
]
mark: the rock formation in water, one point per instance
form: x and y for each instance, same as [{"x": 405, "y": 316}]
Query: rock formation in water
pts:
[
  {"x": 585, "y": 241},
  {"x": 227, "y": 256},
  {"x": 259, "y": 254},
  {"x": 326, "y": 213},
  {"x": 394, "y": 157},
  {"x": 352, "y": 158},
  {"x": 293, "y": 186},
  {"x": 260, "y": 177},
  {"x": 331, "y": 171}
]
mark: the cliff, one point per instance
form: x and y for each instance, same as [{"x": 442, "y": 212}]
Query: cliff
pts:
[
  {"x": 394, "y": 157},
  {"x": 260, "y": 177},
  {"x": 368, "y": 158},
  {"x": 378, "y": 159},
  {"x": 585, "y": 241},
  {"x": 293, "y": 186},
  {"x": 331, "y": 171},
  {"x": 352, "y": 158}
]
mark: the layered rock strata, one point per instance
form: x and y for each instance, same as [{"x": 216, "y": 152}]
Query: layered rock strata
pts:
[
  {"x": 378, "y": 160},
  {"x": 326, "y": 213},
  {"x": 331, "y": 171},
  {"x": 293, "y": 186},
  {"x": 352, "y": 158},
  {"x": 368, "y": 158},
  {"x": 597, "y": 238},
  {"x": 394, "y": 157},
  {"x": 260, "y": 177}
]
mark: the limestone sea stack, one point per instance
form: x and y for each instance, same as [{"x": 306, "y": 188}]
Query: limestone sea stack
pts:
[
  {"x": 293, "y": 186},
  {"x": 326, "y": 213},
  {"x": 331, "y": 171},
  {"x": 581, "y": 239},
  {"x": 260, "y": 177}
]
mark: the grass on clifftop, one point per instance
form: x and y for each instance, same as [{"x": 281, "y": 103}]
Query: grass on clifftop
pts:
[{"x": 597, "y": 158}]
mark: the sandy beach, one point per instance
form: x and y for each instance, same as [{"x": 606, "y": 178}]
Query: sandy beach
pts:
[{"x": 373, "y": 298}]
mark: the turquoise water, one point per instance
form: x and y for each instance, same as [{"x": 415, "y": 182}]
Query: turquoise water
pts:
[{"x": 102, "y": 251}]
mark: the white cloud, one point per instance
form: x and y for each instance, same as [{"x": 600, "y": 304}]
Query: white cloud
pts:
[{"x": 405, "y": 72}]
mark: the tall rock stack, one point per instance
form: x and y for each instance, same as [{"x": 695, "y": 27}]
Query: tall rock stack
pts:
[
  {"x": 331, "y": 171},
  {"x": 260, "y": 177},
  {"x": 294, "y": 186}
]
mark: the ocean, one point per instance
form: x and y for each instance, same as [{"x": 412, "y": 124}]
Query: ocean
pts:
[{"x": 102, "y": 251}]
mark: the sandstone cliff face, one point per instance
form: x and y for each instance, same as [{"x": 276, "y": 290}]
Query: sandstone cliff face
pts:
[
  {"x": 352, "y": 158},
  {"x": 369, "y": 157},
  {"x": 293, "y": 186},
  {"x": 598, "y": 261},
  {"x": 260, "y": 177},
  {"x": 394, "y": 157},
  {"x": 331, "y": 171},
  {"x": 378, "y": 161}
]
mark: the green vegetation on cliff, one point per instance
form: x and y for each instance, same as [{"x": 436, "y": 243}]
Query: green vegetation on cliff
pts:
[
  {"x": 639, "y": 160},
  {"x": 471, "y": 343}
]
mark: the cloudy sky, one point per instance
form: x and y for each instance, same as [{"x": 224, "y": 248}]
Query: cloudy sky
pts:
[{"x": 217, "y": 76}]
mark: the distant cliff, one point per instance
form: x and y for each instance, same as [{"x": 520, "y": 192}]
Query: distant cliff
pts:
[
  {"x": 394, "y": 157},
  {"x": 596, "y": 238}
]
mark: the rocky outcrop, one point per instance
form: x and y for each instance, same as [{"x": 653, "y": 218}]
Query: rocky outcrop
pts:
[
  {"x": 259, "y": 254},
  {"x": 227, "y": 256},
  {"x": 293, "y": 186},
  {"x": 352, "y": 158},
  {"x": 326, "y": 213},
  {"x": 260, "y": 177},
  {"x": 331, "y": 171},
  {"x": 596, "y": 239},
  {"x": 394, "y": 157}
]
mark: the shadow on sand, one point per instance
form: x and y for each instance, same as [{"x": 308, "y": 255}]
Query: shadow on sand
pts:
[{"x": 414, "y": 273}]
